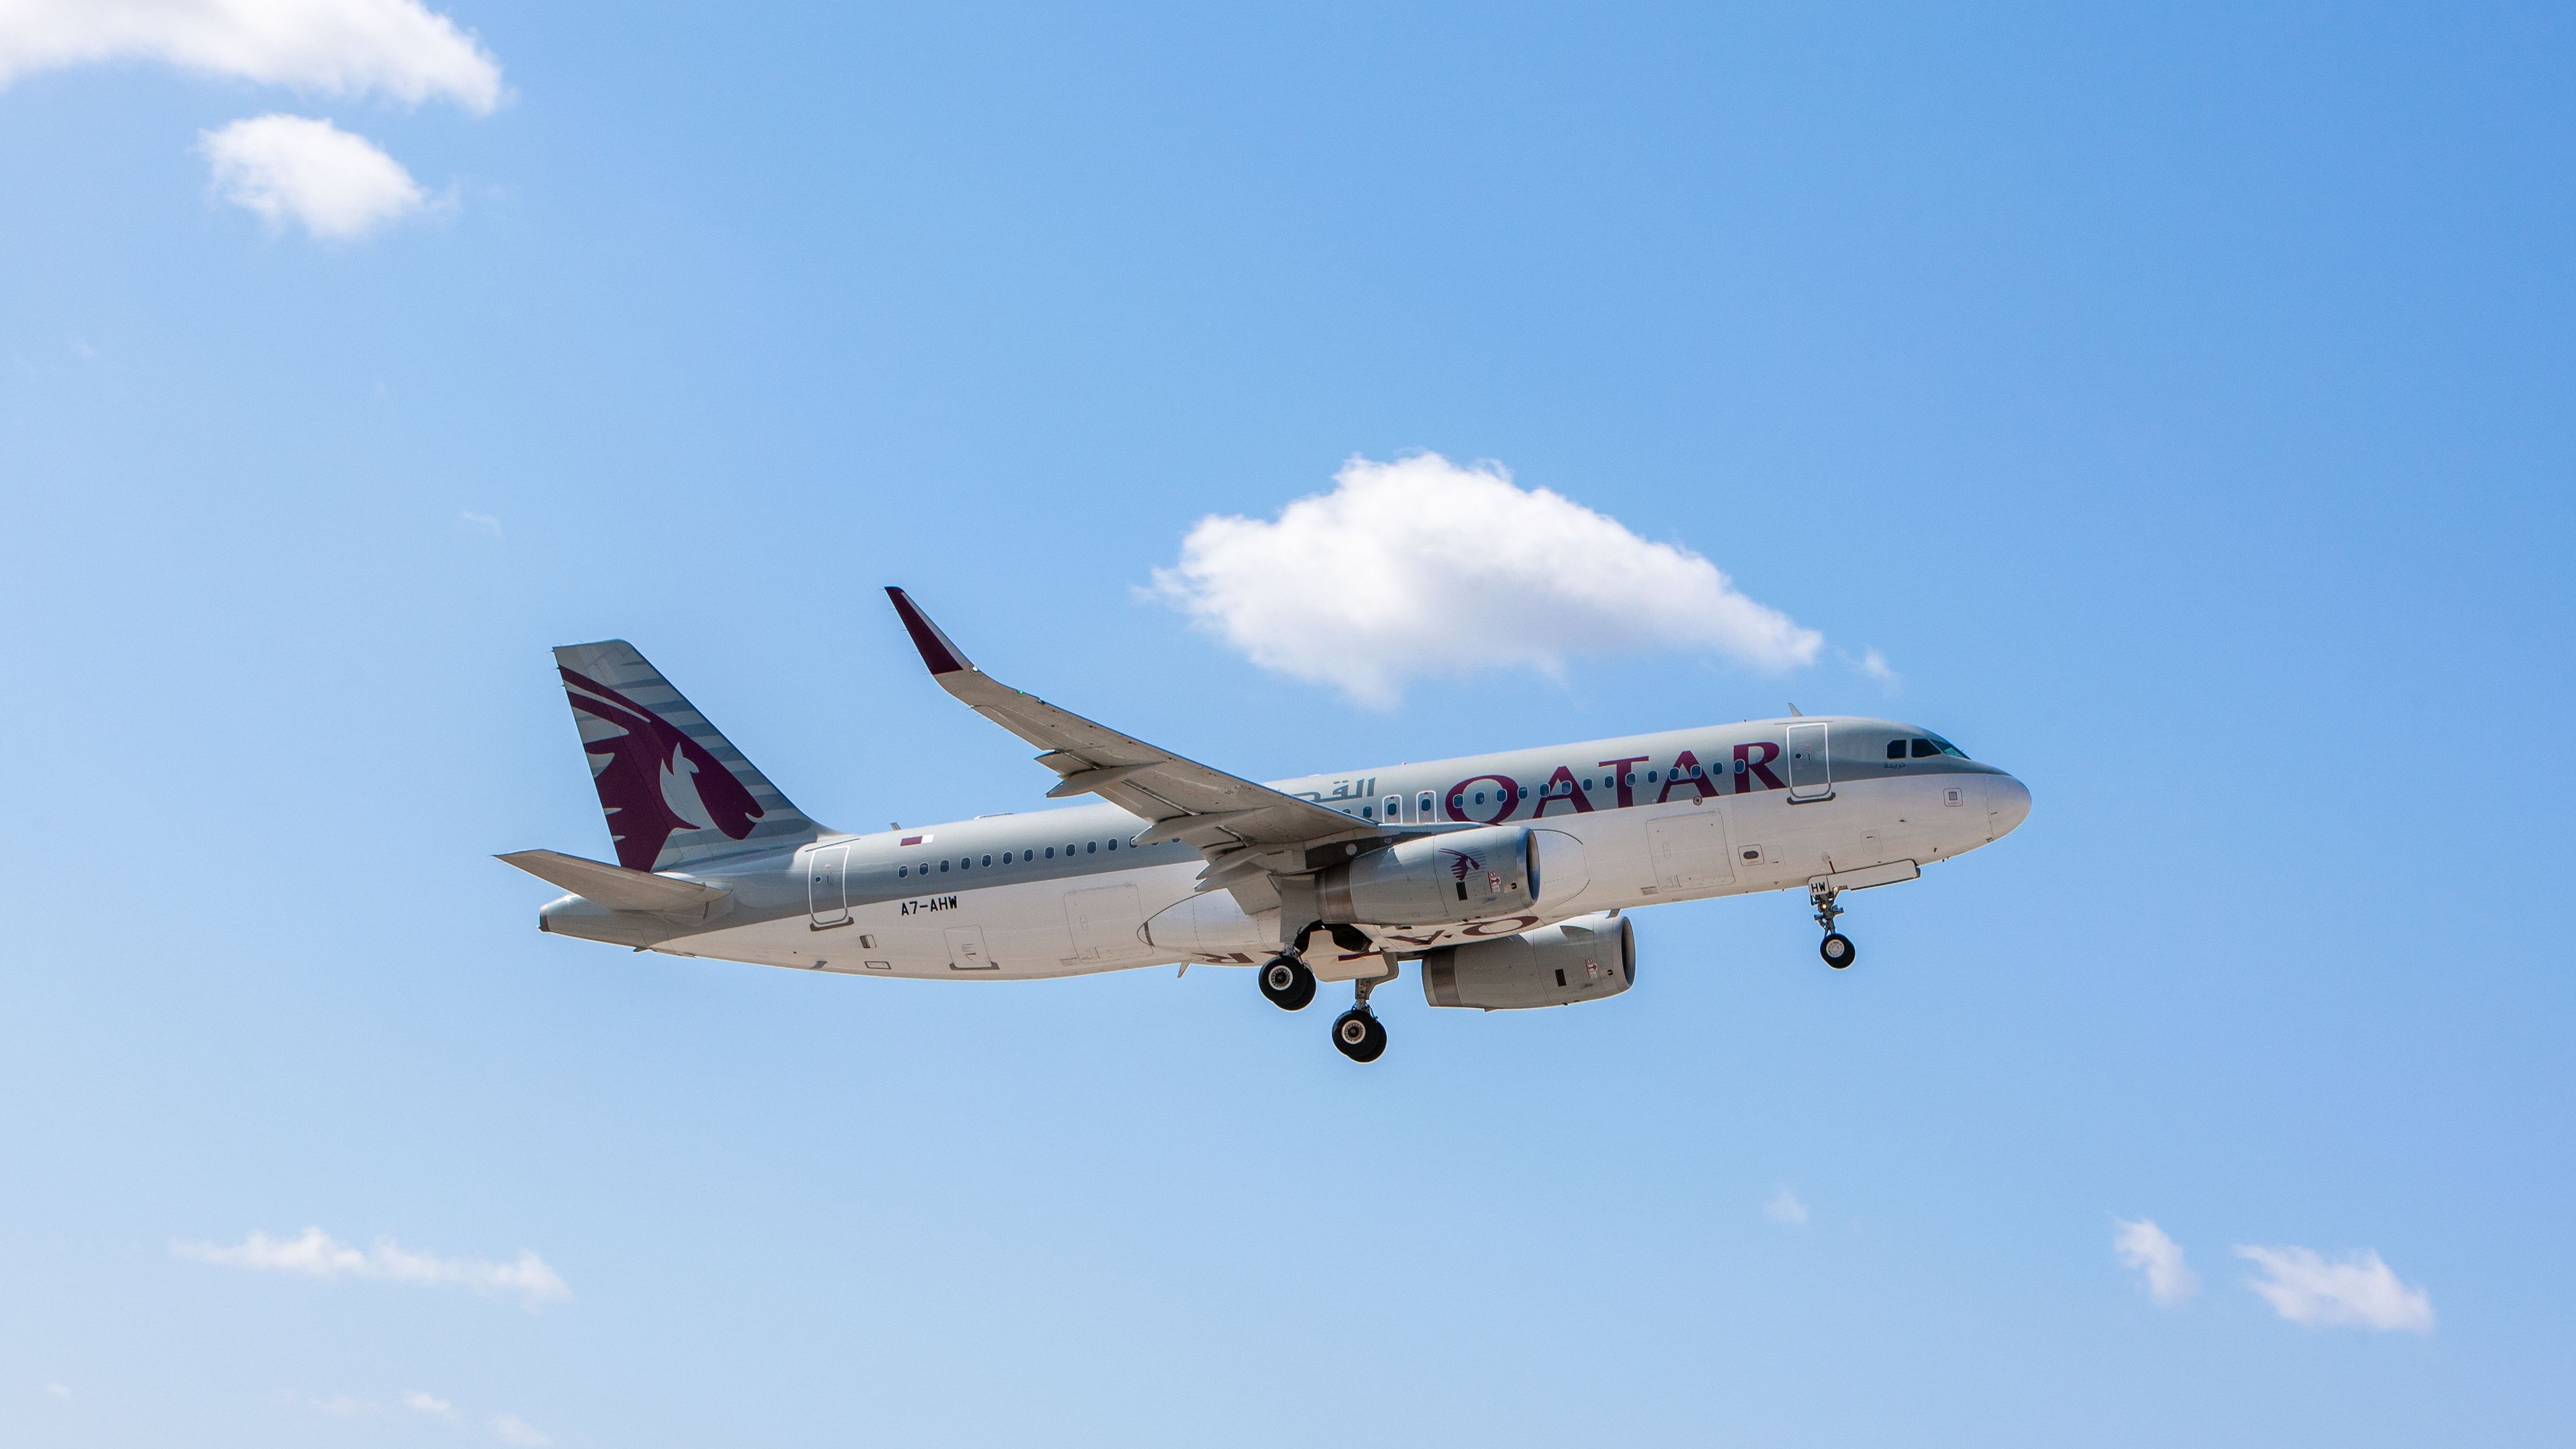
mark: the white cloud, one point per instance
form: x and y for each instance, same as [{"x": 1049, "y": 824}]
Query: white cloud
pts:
[
  {"x": 1784, "y": 1207},
  {"x": 2143, "y": 1246},
  {"x": 59, "y": 1390},
  {"x": 317, "y": 1254},
  {"x": 1422, "y": 567},
  {"x": 481, "y": 520},
  {"x": 429, "y": 1404},
  {"x": 2359, "y": 1291},
  {"x": 511, "y": 1429},
  {"x": 296, "y": 168},
  {"x": 396, "y": 48},
  {"x": 1874, "y": 664}
]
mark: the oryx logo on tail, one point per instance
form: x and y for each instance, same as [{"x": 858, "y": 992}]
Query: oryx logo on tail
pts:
[{"x": 654, "y": 779}]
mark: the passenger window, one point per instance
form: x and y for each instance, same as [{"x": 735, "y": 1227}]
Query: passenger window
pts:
[
  {"x": 1650, "y": 777},
  {"x": 1423, "y": 803},
  {"x": 943, "y": 867},
  {"x": 1092, "y": 849},
  {"x": 1525, "y": 792},
  {"x": 1050, "y": 852},
  {"x": 1925, "y": 749},
  {"x": 903, "y": 870},
  {"x": 988, "y": 860},
  {"x": 1632, "y": 777},
  {"x": 1113, "y": 845}
]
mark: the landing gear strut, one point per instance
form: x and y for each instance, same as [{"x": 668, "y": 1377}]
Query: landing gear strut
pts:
[
  {"x": 1287, "y": 982},
  {"x": 1357, "y": 1033},
  {"x": 1836, "y": 948}
]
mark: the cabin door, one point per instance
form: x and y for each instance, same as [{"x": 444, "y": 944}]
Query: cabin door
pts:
[
  {"x": 827, "y": 895},
  {"x": 1811, "y": 770}
]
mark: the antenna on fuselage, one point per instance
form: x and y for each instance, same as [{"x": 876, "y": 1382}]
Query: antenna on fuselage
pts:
[{"x": 1793, "y": 710}]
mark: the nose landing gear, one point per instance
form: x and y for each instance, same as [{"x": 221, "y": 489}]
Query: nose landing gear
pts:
[{"x": 1836, "y": 948}]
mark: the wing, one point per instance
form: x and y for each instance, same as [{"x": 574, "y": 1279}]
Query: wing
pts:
[{"x": 1246, "y": 830}]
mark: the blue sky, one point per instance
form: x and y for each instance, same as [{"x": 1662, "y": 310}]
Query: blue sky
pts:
[{"x": 2177, "y": 399}]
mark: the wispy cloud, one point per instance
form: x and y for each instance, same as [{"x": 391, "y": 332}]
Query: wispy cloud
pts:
[
  {"x": 317, "y": 1254},
  {"x": 2356, "y": 1291},
  {"x": 1874, "y": 664},
  {"x": 295, "y": 168},
  {"x": 511, "y": 1429},
  {"x": 430, "y": 1405},
  {"x": 1421, "y": 567},
  {"x": 481, "y": 520},
  {"x": 2158, "y": 1260},
  {"x": 59, "y": 1390},
  {"x": 1784, "y": 1207},
  {"x": 394, "y": 48}
]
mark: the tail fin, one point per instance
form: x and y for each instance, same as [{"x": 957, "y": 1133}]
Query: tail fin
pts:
[{"x": 673, "y": 788}]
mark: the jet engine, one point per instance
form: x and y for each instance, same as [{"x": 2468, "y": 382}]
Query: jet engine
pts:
[
  {"x": 1583, "y": 959},
  {"x": 1435, "y": 879}
]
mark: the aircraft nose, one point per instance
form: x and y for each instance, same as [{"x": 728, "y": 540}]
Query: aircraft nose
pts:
[{"x": 2007, "y": 804}]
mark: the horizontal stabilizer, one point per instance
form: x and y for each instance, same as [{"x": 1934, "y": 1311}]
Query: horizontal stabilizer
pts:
[{"x": 614, "y": 886}]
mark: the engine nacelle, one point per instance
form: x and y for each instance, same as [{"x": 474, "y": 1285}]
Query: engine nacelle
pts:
[
  {"x": 1435, "y": 879},
  {"x": 1583, "y": 959}
]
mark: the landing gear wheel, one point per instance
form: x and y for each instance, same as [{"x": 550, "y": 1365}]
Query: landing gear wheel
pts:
[
  {"x": 1836, "y": 948},
  {"x": 1288, "y": 984},
  {"x": 1357, "y": 1035}
]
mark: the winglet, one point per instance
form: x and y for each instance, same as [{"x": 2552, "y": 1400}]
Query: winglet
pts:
[{"x": 936, "y": 651}]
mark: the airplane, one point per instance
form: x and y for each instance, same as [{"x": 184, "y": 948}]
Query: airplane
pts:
[{"x": 1507, "y": 878}]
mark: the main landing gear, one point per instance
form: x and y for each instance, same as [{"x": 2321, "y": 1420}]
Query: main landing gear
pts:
[
  {"x": 1357, "y": 1033},
  {"x": 1836, "y": 948},
  {"x": 1287, "y": 982},
  {"x": 1290, "y": 984}
]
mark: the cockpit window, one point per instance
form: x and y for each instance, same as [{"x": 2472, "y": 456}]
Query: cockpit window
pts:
[
  {"x": 1925, "y": 749},
  {"x": 1896, "y": 749},
  {"x": 1944, "y": 746}
]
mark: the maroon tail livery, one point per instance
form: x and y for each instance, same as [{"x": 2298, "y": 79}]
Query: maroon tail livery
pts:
[{"x": 673, "y": 788}]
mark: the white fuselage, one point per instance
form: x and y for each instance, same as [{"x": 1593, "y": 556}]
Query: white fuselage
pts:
[{"x": 1638, "y": 821}]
